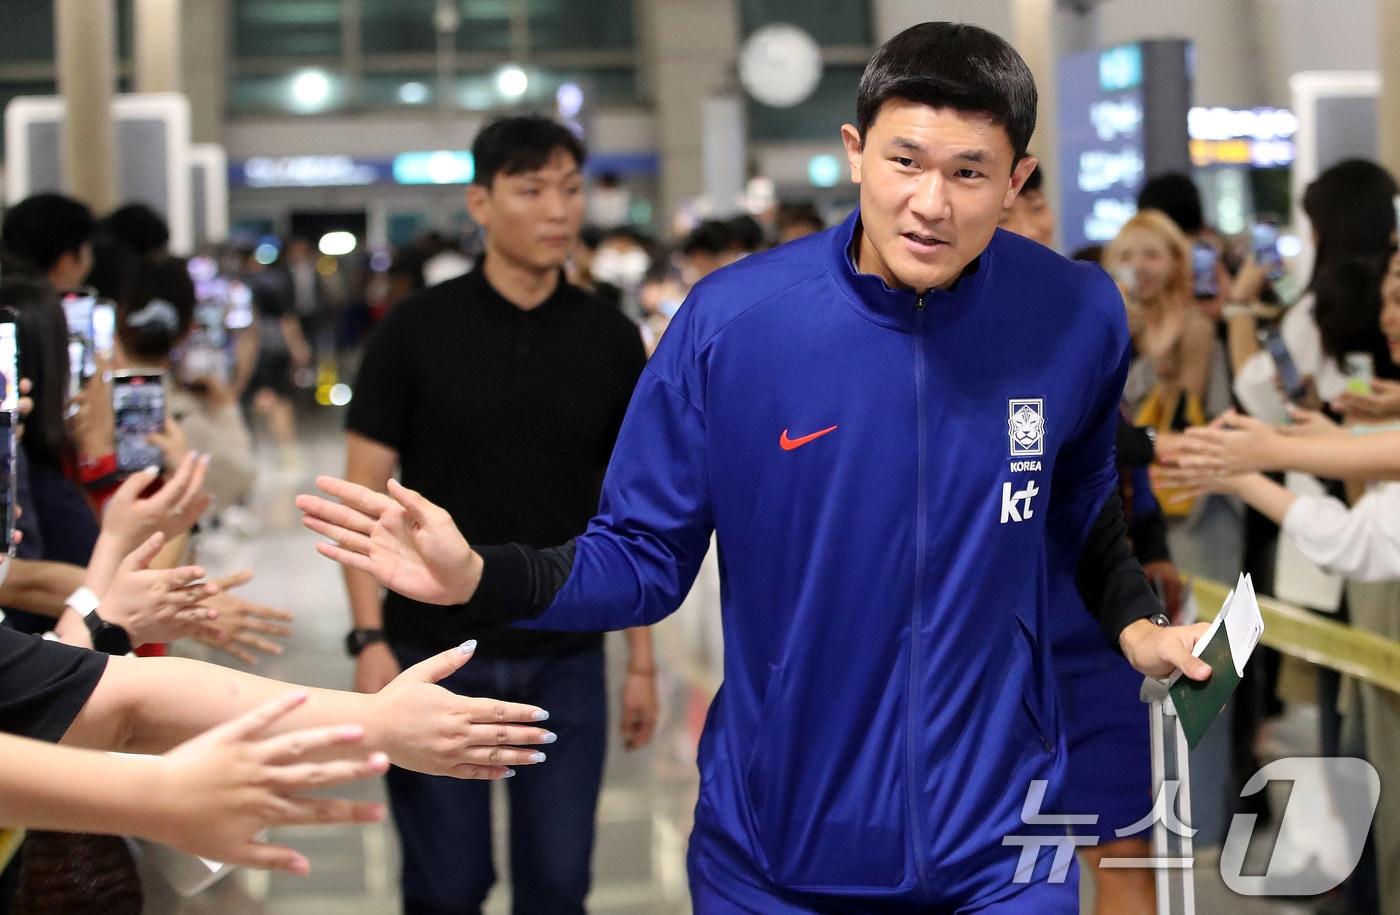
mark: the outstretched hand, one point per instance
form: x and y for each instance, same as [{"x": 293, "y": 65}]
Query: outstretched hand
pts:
[{"x": 408, "y": 544}]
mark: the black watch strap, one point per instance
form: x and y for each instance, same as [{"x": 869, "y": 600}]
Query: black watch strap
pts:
[
  {"x": 1160, "y": 619},
  {"x": 360, "y": 639},
  {"x": 108, "y": 638}
]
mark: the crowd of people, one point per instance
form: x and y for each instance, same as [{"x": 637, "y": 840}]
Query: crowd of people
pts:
[{"x": 503, "y": 383}]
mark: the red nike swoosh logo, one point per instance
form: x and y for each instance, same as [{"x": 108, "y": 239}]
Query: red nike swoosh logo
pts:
[{"x": 791, "y": 444}]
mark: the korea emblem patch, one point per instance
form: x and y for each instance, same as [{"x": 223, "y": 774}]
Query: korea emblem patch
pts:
[{"x": 1026, "y": 427}]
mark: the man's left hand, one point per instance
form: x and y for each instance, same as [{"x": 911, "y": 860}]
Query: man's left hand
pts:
[{"x": 1158, "y": 651}]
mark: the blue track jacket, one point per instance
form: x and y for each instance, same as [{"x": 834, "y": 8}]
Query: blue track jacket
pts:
[{"x": 894, "y": 480}]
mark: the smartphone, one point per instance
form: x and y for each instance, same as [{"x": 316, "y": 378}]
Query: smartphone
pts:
[
  {"x": 240, "y": 307},
  {"x": 1264, "y": 243},
  {"x": 9, "y": 361},
  {"x": 9, "y": 477},
  {"x": 77, "y": 361},
  {"x": 104, "y": 330},
  {"x": 138, "y": 408},
  {"x": 1288, "y": 376},
  {"x": 1205, "y": 270},
  {"x": 77, "y": 309}
]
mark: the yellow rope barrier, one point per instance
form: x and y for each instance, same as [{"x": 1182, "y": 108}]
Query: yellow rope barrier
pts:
[{"x": 1312, "y": 637}]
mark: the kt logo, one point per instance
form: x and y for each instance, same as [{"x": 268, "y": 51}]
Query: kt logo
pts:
[{"x": 1016, "y": 505}]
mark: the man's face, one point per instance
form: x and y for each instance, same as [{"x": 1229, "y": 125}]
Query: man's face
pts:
[
  {"x": 933, "y": 185},
  {"x": 1030, "y": 215},
  {"x": 532, "y": 218}
]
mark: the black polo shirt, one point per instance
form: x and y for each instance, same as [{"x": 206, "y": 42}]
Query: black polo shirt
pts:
[
  {"x": 504, "y": 417},
  {"x": 43, "y": 685}
]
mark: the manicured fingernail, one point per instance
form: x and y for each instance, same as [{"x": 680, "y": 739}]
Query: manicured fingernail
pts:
[
  {"x": 467, "y": 647},
  {"x": 537, "y": 757},
  {"x": 549, "y": 737},
  {"x": 510, "y": 773},
  {"x": 205, "y": 458},
  {"x": 301, "y": 866},
  {"x": 379, "y": 760},
  {"x": 152, "y": 469},
  {"x": 540, "y": 715}
]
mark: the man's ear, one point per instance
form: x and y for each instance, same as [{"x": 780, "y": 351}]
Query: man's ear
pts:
[
  {"x": 1019, "y": 174},
  {"x": 479, "y": 204},
  {"x": 850, "y": 137}
]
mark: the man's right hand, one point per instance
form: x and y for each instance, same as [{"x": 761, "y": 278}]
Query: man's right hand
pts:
[
  {"x": 375, "y": 668},
  {"x": 408, "y": 544}
]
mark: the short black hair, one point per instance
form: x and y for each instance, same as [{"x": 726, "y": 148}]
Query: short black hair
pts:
[
  {"x": 1176, "y": 195},
  {"x": 139, "y": 228},
  {"x": 800, "y": 214},
  {"x": 746, "y": 233},
  {"x": 713, "y": 237},
  {"x": 952, "y": 65},
  {"x": 522, "y": 143},
  {"x": 42, "y": 228}
]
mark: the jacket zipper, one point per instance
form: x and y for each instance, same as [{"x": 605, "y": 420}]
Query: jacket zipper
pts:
[{"x": 916, "y": 622}]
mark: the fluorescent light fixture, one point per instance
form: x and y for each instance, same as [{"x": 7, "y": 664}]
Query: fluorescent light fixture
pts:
[
  {"x": 337, "y": 244},
  {"x": 414, "y": 93},
  {"x": 311, "y": 89},
  {"x": 512, "y": 82}
]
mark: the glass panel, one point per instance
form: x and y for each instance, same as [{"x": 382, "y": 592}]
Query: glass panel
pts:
[
  {"x": 485, "y": 25},
  {"x": 286, "y": 28},
  {"x": 819, "y": 118},
  {"x": 830, "y": 22},
  {"x": 397, "y": 26},
  {"x": 602, "y": 25},
  {"x": 28, "y": 31}
]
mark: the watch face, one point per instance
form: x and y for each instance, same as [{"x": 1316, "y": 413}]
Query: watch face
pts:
[{"x": 110, "y": 639}]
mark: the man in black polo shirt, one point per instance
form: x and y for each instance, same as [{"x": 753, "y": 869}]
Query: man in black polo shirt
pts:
[{"x": 499, "y": 395}]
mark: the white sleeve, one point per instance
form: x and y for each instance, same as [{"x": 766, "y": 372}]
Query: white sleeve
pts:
[
  {"x": 1256, "y": 391},
  {"x": 1362, "y": 543}
]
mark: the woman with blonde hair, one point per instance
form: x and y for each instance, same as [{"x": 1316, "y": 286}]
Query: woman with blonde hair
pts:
[{"x": 1151, "y": 260}]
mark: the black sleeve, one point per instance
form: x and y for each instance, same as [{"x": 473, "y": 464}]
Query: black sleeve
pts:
[
  {"x": 1110, "y": 580},
  {"x": 381, "y": 408},
  {"x": 519, "y": 582},
  {"x": 43, "y": 685},
  {"x": 1134, "y": 445},
  {"x": 1149, "y": 537}
]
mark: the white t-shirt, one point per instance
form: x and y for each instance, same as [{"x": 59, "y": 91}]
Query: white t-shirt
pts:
[{"x": 1361, "y": 543}]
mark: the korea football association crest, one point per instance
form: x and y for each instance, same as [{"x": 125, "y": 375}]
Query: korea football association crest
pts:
[{"x": 1026, "y": 427}]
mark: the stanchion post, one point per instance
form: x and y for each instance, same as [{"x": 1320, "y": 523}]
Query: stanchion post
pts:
[{"x": 1171, "y": 789}]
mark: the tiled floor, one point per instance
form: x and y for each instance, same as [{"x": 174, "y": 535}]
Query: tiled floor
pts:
[{"x": 647, "y": 798}]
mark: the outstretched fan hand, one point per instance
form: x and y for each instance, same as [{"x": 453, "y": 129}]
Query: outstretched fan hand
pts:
[{"x": 408, "y": 544}]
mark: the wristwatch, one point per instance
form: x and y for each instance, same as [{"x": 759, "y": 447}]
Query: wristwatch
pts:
[
  {"x": 108, "y": 638},
  {"x": 1159, "y": 619},
  {"x": 360, "y": 639}
]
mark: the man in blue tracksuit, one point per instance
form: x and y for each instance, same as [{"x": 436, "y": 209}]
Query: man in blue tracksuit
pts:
[{"x": 901, "y": 429}]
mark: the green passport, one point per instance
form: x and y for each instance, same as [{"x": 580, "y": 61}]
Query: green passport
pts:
[{"x": 1199, "y": 703}]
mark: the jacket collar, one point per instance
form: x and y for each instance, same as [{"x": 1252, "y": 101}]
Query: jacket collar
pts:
[{"x": 896, "y": 308}]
